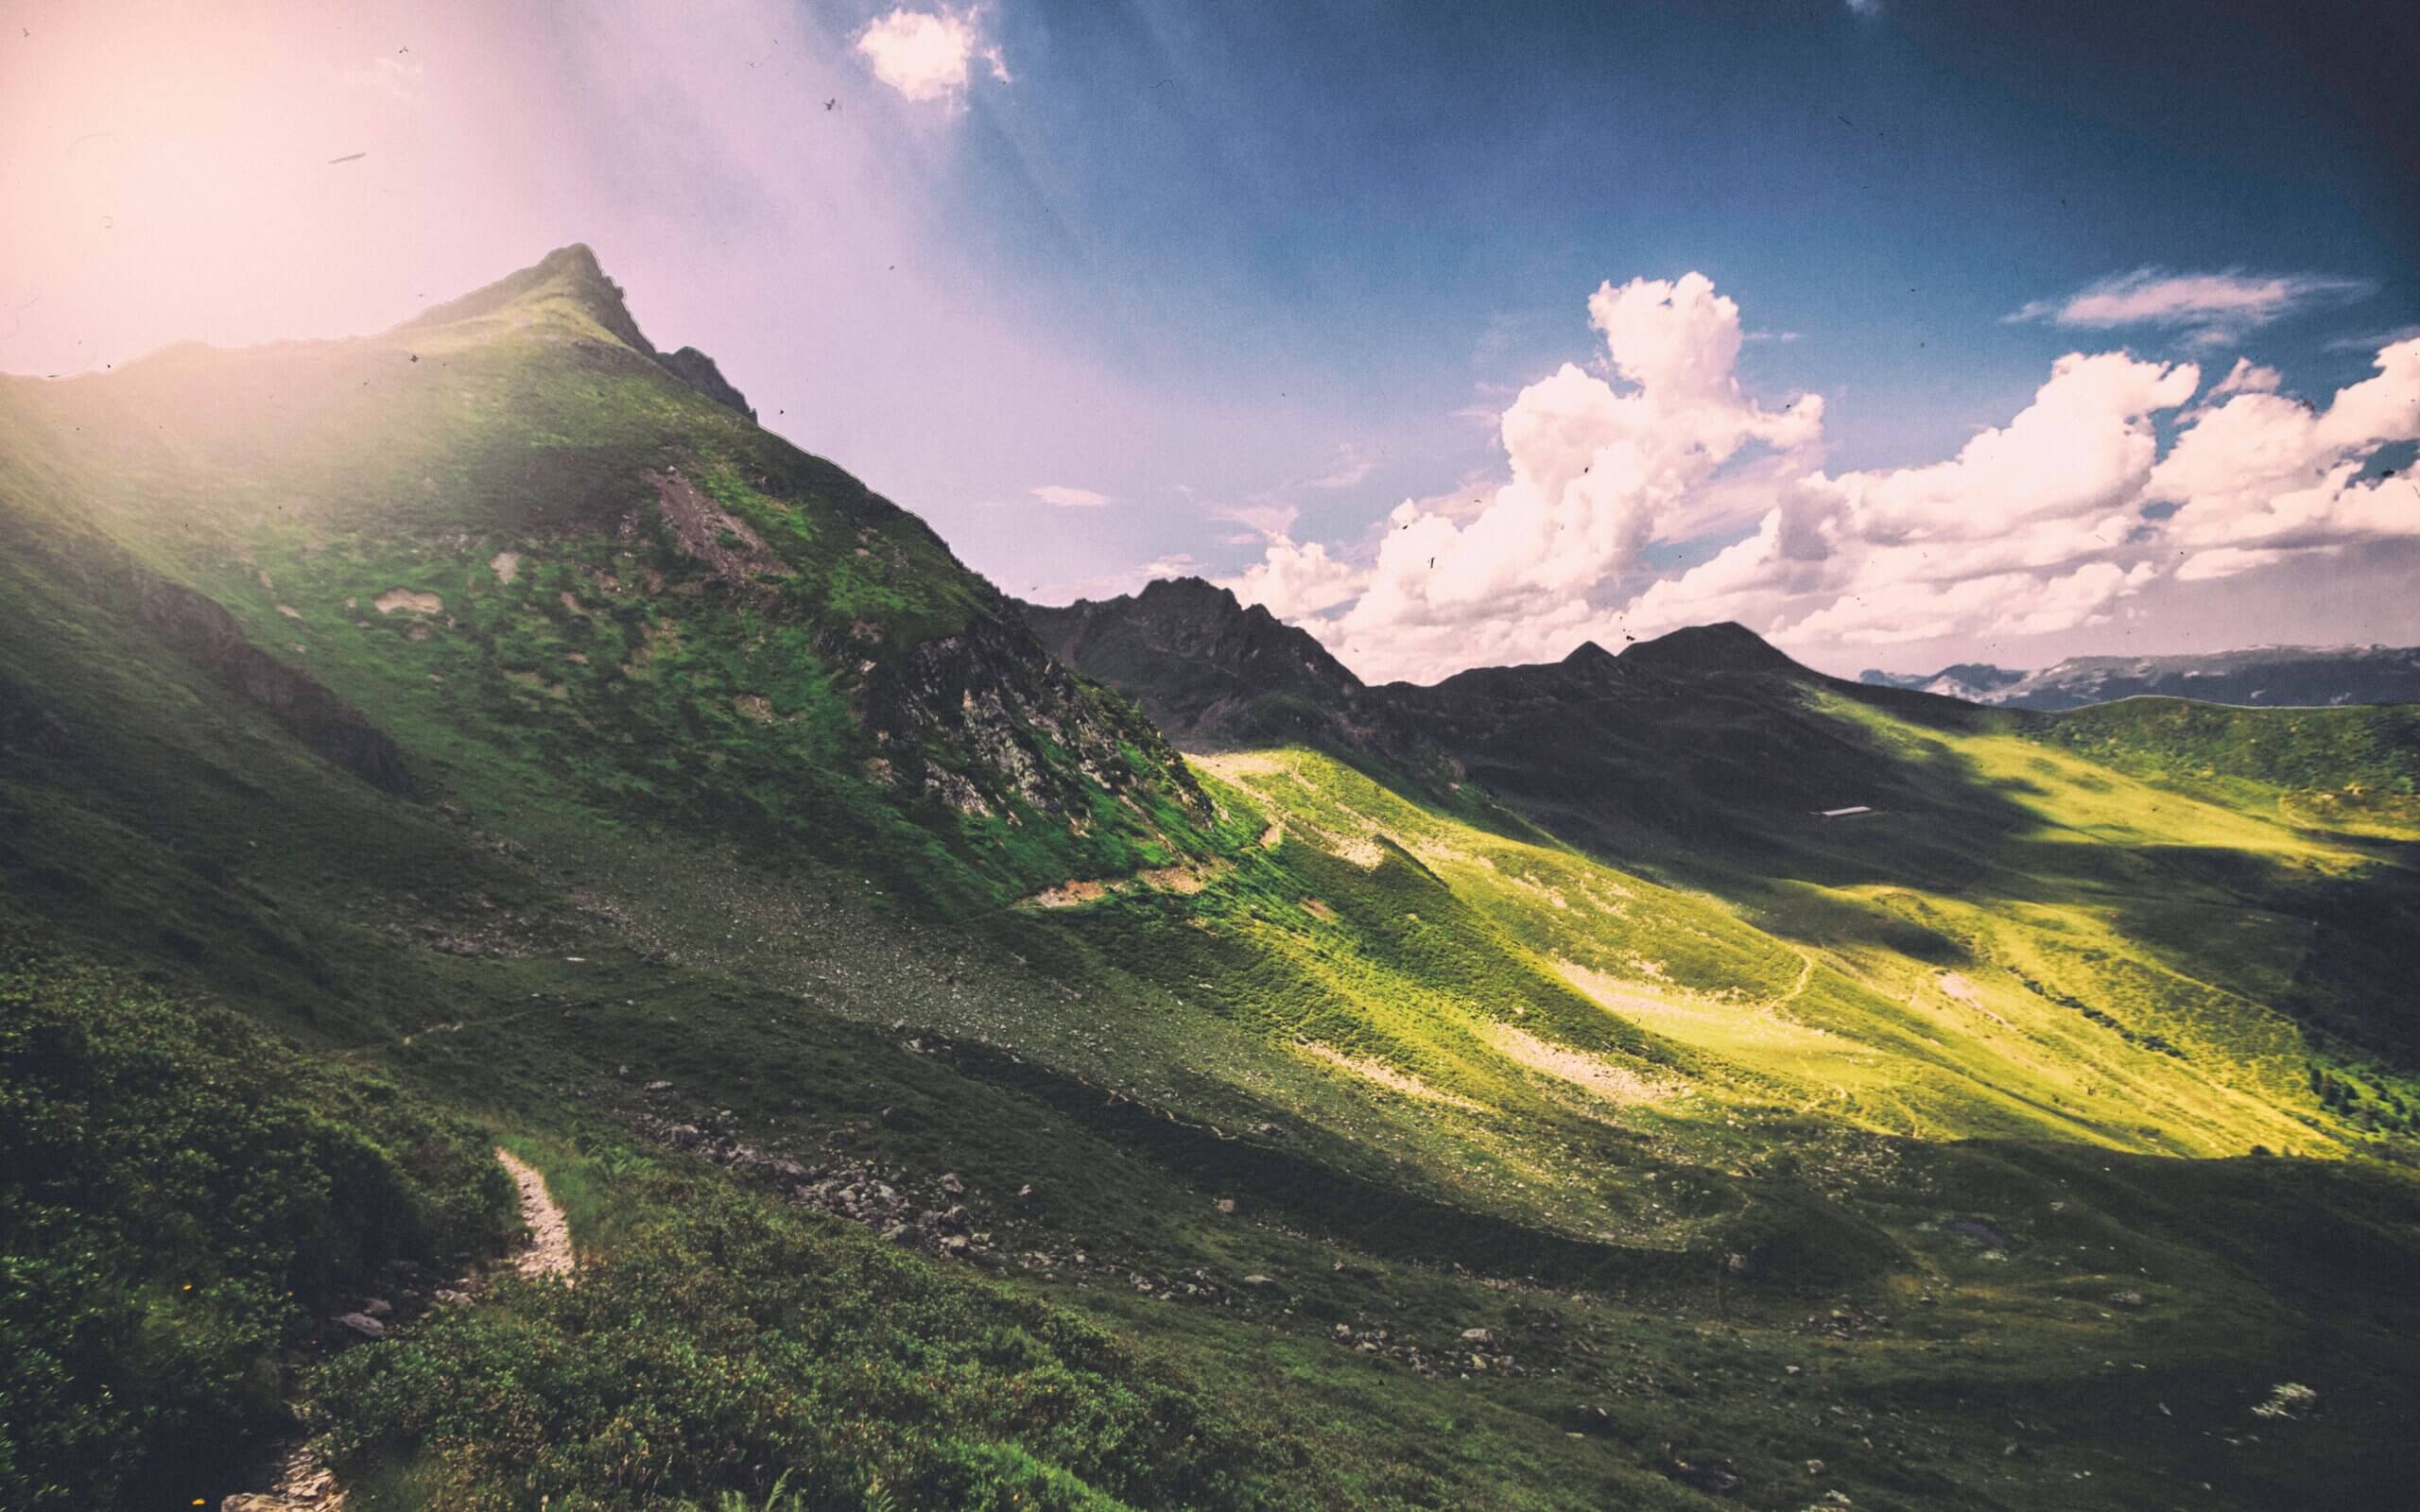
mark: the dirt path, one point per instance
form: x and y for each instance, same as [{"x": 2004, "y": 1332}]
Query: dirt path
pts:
[
  {"x": 550, "y": 1249},
  {"x": 305, "y": 1485}
]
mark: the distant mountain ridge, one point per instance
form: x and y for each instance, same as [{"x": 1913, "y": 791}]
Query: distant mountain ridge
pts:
[
  {"x": 1208, "y": 670},
  {"x": 1707, "y": 730},
  {"x": 2262, "y": 676}
]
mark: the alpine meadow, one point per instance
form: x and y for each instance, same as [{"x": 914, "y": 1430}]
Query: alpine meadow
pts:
[{"x": 557, "y": 950}]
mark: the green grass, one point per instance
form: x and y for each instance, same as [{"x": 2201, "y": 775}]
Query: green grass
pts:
[
  {"x": 722, "y": 1348},
  {"x": 1947, "y": 1082},
  {"x": 183, "y": 1198}
]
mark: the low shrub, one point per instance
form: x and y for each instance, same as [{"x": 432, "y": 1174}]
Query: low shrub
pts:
[{"x": 181, "y": 1196}]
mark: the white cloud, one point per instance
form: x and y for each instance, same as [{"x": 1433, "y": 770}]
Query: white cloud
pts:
[
  {"x": 1865, "y": 8},
  {"x": 2220, "y": 306},
  {"x": 2083, "y": 446},
  {"x": 1596, "y": 474},
  {"x": 1066, "y": 498},
  {"x": 2226, "y": 561},
  {"x": 2011, "y": 604},
  {"x": 1299, "y": 583},
  {"x": 2041, "y": 524},
  {"x": 2265, "y": 470},
  {"x": 929, "y": 55},
  {"x": 2247, "y": 377}
]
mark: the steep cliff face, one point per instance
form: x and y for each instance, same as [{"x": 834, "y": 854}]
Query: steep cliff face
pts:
[{"x": 977, "y": 721}]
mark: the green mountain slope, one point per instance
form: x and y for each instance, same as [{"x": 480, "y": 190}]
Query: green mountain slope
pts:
[
  {"x": 521, "y": 548},
  {"x": 960, "y": 1099}
]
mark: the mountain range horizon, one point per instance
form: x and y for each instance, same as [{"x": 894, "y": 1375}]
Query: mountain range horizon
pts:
[{"x": 1981, "y": 682}]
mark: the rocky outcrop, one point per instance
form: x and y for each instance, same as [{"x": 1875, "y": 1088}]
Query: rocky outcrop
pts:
[
  {"x": 1211, "y": 673},
  {"x": 573, "y": 274},
  {"x": 984, "y": 722},
  {"x": 698, "y": 372}
]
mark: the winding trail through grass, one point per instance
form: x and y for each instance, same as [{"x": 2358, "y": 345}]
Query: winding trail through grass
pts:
[
  {"x": 1805, "y": 975},
  {"x": 550, "y": 1251},
  {"x": 303, "y": 1480}
]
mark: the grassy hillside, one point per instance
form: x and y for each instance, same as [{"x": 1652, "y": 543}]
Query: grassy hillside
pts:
[
  {"x": 184, "y": 1197},
  {"x": 2343, "y": 765},
  {"x": 960, "y": 1100},
  {"x": 563, "y": 578}
]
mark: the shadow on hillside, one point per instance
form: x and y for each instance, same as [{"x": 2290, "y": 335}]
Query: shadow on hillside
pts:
[{"x": 1712, "y": 805}]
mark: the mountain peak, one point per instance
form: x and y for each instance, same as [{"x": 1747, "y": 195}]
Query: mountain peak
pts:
[
  {"x": 1728, "y": 647},
  {"x": 1194, "y": 592},
  {"x": 1200, "y": 662},
  {"x": 570, "y": 274},
  {"x": 571, "y": 281}
]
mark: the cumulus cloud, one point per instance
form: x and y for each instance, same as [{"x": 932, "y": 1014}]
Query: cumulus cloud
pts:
[
  {"x": 1598, "y": 472},
  {"x": 2011, "y": 604},
  {"x": 929, "y": 55},
  {"x": 2219, "y": 305},
  {"x": 1299, "y": 582},
  {"x": 2052, "y": 520},
  {"x": 2266, "y": 472},
  {"x": 1066, "y": 498}
]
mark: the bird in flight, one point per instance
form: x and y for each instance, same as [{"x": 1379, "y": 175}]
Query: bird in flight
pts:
[{"x": 349, "y": 157}]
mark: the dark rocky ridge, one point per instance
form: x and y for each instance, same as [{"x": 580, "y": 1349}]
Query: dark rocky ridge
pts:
[
  {"x": 698, "y": 372},
  {"x": 1707, "y": 731},
  {"x": 1209, "y": 672}
]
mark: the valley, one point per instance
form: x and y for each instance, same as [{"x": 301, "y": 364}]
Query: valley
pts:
[{"x": 992, "y": 1056}]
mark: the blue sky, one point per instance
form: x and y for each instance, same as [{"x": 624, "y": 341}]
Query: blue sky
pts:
[{"x": 1254, "y": 277}]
